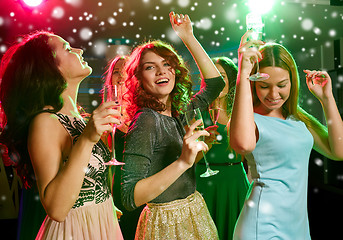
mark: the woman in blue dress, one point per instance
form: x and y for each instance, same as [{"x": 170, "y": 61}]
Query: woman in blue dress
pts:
[{"x": 276, "y": 136}]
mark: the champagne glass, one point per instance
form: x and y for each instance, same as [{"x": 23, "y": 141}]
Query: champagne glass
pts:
[
  {"x": 214, "y": 111},
  {"x": 113, "y": 93},
  {"x": 191, "y": 117},
  {"x": 254, "y": 22}
]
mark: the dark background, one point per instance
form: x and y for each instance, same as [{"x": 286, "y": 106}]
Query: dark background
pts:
[{"x": 312, "y": 30}]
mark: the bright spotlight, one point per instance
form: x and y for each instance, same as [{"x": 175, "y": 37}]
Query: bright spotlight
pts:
[
  {"x": 32, "y": 3},
  {"x": 260, "y": 6}
]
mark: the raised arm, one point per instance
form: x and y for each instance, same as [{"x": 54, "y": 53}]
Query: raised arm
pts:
[
  {"x": 182, "y": 25},
  {"x": 329, "y": 144},
  {"x": 49, "y": 144},
  {"x": 242, "y": 126}
]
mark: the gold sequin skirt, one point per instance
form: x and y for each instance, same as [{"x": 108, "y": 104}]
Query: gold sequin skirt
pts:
[{"x": 181, "y": 219}]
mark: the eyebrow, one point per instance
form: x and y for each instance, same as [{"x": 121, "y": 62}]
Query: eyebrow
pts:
[
  {"x": 148, "y": 63},
  {"x": 277, "y": 82},
  {"x": 283, "y": 80},
  {"x": 155, "y": 62}
]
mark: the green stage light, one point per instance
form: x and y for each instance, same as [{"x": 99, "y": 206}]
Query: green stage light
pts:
[{"x": 260, "y": 6}]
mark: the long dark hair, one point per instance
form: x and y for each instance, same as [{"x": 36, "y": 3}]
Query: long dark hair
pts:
[
  {"x": 137, "y": 97},
  {"x": 30, "y": 80},
  {"x": 231, "y": 71}
]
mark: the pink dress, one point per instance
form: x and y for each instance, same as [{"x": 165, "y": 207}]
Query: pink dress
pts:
[{"x": 93, "y": 215}]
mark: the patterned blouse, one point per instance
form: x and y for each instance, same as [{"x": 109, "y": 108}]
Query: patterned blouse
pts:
[{"x": 95, "y": 187}]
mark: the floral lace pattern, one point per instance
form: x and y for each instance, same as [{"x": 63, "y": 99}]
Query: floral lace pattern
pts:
[{"x": 94, "y": 188}]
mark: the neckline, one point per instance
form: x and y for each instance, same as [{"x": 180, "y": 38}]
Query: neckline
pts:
[
  {"x": 160, "y": 114},
  {"x": 70, "y": 116},
  {"x": 277, "y": 118}
]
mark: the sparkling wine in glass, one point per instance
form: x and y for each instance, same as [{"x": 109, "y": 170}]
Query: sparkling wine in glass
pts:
[
  {"x": 191, "y": 117},
  {"x": 214, "y": 114},
  {"x": 113, "y": 93},
  {"x": 254, "y": 22}
]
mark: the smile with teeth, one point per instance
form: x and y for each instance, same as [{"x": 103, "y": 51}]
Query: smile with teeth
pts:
[
  {"x": 163, "y": 80},
  {"x": 274, "y": 100}
]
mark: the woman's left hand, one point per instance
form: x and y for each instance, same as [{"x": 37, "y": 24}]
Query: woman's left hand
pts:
[
  {"x": 181, "y": 24},
  {"x": 319, "y": 83}
]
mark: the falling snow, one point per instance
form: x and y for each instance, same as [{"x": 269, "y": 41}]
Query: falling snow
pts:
[
  {"x": 86, "y": 34},
  {"x": 318, "y": 162},
  {"x": 123, "y": 18},
  {"x": 183, "y": 3},
  {"x": 307, "y": 24},
  {"x": 58, "y": 13},
  {"x": 205, "y": 23},
  {"x": 219, "y": 26}
]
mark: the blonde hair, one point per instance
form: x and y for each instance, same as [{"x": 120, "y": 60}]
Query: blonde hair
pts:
[{"x": 276, "y": 55}]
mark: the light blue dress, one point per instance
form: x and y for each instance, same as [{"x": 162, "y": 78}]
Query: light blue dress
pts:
[{"x": 276, "y": 205}]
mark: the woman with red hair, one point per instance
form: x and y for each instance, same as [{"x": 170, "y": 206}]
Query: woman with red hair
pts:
[{"x": 159, "y": 154}]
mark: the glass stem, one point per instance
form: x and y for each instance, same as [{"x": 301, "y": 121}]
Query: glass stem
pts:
[
  {"x": 113, "y": 135},
  {"x": 257, "y": 66},
  {"x": 207, "y": 165}
]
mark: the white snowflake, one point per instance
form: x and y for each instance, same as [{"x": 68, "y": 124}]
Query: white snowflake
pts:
[
  {"x": 86, "y": 33},
  {"x": 183, "y": 3},
  {"x": 319, "y": 162},
  {"x": 204, "y": 23},
  {"x": 307, "y": 24},
  {"x": 57, "y": 12}
]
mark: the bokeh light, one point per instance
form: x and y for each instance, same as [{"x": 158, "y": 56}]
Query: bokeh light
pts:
[
  {"x": 32, "y": 3},
  {"x": 260, "y": 6}
]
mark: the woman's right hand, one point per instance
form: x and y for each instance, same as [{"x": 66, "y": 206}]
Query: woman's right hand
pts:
[
  {"x": 248, "y": 53},
  {"x": 181, "y": 24},
  {"x": 101, "y": 120},
  {"x": 191, "y": 146}
]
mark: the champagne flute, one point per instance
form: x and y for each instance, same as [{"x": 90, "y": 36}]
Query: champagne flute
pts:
[
  {"x": 113, "y": 93},
  {"x": 191, "y": 117},
  {"x": 214, "y": 111},
  {"x": 254, "y": 22}
]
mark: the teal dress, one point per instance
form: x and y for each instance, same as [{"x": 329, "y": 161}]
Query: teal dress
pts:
[
  {"x": 277, "y": 203},
  {"x": 225, "y": 192}
]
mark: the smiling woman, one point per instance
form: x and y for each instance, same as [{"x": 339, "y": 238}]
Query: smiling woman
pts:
[
  {"x": 149, "y": 60},
  {"x": 273, "y": 92},
  {"x": 159, "y": 154},
  {"x": 276, "y": 137}
]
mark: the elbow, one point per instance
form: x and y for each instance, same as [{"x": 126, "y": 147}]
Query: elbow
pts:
[
  {"x": 138, "y": 203},
  {"x": 242, "y": 147},
  {"x": 57, "y": 215},
  {"x": 138, "y": 198},
  {"x": 56, "y": 211}
]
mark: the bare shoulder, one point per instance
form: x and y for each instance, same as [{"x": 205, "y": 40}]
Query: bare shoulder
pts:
[
  {"x": 44, "y": 119},
  {"x": 47, "y": 127}
]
